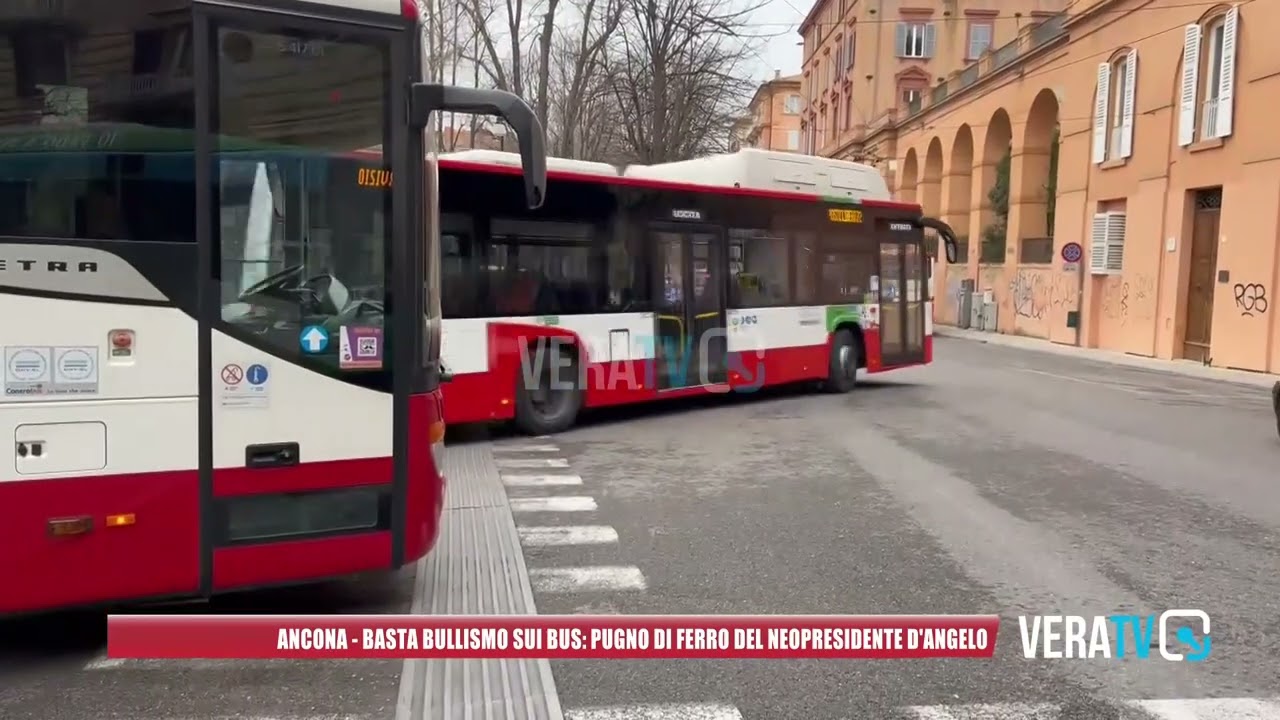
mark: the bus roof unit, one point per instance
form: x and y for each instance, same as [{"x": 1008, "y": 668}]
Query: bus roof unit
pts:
[
  {"x": 776, "y": 171},
  {"x": 510, "y": 159}
]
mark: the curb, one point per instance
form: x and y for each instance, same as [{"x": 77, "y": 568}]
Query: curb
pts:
[{"x": 1172, "y": 367}]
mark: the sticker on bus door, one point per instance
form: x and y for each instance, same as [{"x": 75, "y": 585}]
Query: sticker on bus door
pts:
[
  {"x": 243, "y": 385},
  {"x": 360, "y": 347}
]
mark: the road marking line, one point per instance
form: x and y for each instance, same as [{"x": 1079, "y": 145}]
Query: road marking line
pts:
[
  {"x": 1211, "y": 708},
  {"x": 102, "y": 662},
  {"x": 701, "y": 711},
  {"x": 995, "y": 711},
  {"x": 540, "y": 480},
  {"x": 567, "y": 503},
  {"x": 105, "y": 663},
  {"x": 558, "y": 536},
  {"x": 604, "y": 578},
  {"x": 531, "y": 462},
  {"x": 525, "y": 448}
]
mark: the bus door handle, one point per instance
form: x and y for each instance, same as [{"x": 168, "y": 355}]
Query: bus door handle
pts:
[{"x": 271, "y": 455}]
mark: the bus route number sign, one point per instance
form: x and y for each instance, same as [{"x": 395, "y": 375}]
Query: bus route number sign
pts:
[
  {"x": 841, "y": 215},
  {"x": 373, "y": 177}
]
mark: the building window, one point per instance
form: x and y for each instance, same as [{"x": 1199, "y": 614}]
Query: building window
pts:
[
  {"x": 1213, "y": 80},
  {"x": 848, "y": 111},
  {"x": 980, "y": 35},
  {"x": 791, "y": 105},
  {"x": 916, "y": 39},
  {"x": 853, "y": 47},
  {"x": 793, "y": 140},
  {"x": 911, "y": 97},
  {"x": 1114, "y": 104},
  {"x": 1208, "y": 78}
]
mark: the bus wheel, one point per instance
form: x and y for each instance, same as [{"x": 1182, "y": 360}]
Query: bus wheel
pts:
[
  {"x": 552, "y": 404},
  {"x": 842, "y": 370}
]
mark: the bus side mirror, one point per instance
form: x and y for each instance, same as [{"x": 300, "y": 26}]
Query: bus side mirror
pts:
[
  {"x": 427, "y": 98},
  {"x": 946, "y": 233}
]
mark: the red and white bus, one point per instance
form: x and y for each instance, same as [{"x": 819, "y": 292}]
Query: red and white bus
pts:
[
  {"x": 218, "y": 373},
  {"x": 722, "y": 273}
]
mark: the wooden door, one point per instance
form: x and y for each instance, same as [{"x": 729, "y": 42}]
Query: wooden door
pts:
[{"x": 1204, "y": 270}]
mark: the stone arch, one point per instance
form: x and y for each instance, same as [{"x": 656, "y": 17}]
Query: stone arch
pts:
[
  {"x": 1035, "y": 184},
  {"x": 909, "y": 176},
  {"x": 957, "y": 190},
  {"x": 993, "y": 175},
  {"x": 931, "y": 179}
]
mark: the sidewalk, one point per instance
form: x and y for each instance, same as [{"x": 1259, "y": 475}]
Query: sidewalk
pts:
[{"x": 1178, "y": 367}]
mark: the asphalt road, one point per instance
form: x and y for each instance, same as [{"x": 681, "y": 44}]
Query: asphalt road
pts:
[
  {"x": 54, "y": 667},
  {"x": 997, "y": 480}
]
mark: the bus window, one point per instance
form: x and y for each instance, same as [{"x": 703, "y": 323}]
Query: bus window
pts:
[
  {"x": 762, "y": 278},
  {"x": 309, "y": 247}
]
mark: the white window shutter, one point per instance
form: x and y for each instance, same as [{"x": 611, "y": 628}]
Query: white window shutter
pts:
[
  {"x": 1190, "y": 80},
  {"x": 1129, "y": 104},
  {"x": 1100, "y": 114},
  {"x": 1115, "y": 241},
  {"x": 1227, "y": 78},
  {"x": 1098, "y": 245},
  {"x": 930, "y": 39}
]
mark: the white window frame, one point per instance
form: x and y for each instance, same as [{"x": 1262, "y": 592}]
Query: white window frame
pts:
[
  {"x": 986, "y": 27},
  {"x": 907, "y": 91},
  {"x": 792, "y": 104},
  {"x": 1206, "y": 105},
  {"x": 1215, "y": 32},
  {"x": 793, "y": 139},
  {"x": 915, "y": 38},
  {"x": 1115, "y": 109}
]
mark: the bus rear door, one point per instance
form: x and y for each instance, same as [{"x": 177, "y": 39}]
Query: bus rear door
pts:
[
  {"x": 689, "y": 336},
  {"x": 902, "y": 291}
]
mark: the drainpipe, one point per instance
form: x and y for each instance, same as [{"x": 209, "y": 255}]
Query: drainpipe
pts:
[{"x": 875, "y": 82}]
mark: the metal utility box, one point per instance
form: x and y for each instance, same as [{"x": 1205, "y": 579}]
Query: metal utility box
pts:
[
  {"x": 990, "y": 316},
  {"x": 964, "y": 305}
]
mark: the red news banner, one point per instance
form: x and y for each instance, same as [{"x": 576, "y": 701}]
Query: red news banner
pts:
[{"x": 336, "y": 637}]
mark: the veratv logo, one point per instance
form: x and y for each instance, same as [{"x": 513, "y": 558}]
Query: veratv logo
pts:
[{"x": 1059, "y": 637}]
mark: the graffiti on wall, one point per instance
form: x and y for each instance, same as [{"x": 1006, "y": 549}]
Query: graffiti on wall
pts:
[
  {"x": 1034, "y": 293},
  {"x": 1115, "y": 299},
  {"x": 1251, "y": 298}
]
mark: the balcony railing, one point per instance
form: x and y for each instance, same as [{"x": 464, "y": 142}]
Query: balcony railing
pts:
[
  {"x": 994, "y": 60},
  {"x": 1209, "y": 122}
]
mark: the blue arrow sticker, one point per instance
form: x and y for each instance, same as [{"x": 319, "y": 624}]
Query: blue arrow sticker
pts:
[{"x": 314, "y": 339}]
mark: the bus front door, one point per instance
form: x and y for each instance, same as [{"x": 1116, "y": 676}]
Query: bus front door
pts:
[
  {"x": 902, "y": 307},
  {"x": 689, "y": 331}
]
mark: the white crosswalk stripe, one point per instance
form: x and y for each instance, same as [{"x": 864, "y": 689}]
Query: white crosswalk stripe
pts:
[
  {"x": 530, "y": 463},
  {"x": 566, "y": 535},
  {"x": 700, "y": 711},
  {"x": 555, "y": 504},
  {"x": 1179, "y": 709},
  {"x": 601, "y": 578},
  {"x": 540, "y": 480},
  {"x": 525, "y": 448}
]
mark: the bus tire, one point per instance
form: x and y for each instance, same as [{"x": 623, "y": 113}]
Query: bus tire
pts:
[
  {"x": 545, "y": 409},
  {"x": 842, "y": 369}
]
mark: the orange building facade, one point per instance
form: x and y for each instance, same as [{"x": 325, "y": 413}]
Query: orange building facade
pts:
[
  {"x": 773, "y": 117},
  {"x": 868, "y": 61},
  {"x": 1137, "y": 130}
]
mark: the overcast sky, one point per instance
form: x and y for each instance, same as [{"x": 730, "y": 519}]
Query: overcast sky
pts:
[{"x": 781, "y": 51}]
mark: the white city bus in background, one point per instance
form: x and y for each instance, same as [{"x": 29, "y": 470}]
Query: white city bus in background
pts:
[
  {"x": 723, "y": 273},
  {"x": 206, "y": 384}
]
